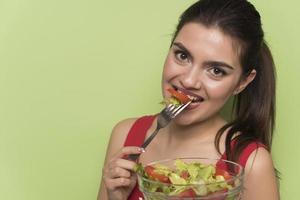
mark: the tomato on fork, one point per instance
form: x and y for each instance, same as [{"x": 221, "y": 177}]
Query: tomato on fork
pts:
[{"x": 183, "y": 98}]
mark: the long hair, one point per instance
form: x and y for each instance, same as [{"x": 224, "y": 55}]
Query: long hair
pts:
[{"x": 254, "y": 107}]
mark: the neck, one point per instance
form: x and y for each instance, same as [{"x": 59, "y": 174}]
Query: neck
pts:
[{"x": 204, "y": 131}]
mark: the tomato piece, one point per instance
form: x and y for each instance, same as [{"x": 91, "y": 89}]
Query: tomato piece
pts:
[
  {"x": 180, "y": 96},
  {"x": 185, "y": 174},
  {"x": 188, "y": 193},
  {"x": 223, "y": 173},
  {"x": 150, "y": 170}
]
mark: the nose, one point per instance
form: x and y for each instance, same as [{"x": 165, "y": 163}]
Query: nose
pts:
[{"x": 192, "y": 78}]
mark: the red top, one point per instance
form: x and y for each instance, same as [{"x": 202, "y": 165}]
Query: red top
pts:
[{"x": 136, "y": 137}]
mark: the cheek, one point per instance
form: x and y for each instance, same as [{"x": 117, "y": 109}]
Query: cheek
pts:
[
  {"x": 166, "y": 74},
  {"x": 169, "y": 70},
  {"x": 220, "y": 89}
]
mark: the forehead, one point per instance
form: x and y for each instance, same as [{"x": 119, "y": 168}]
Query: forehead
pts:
[{"x": 209, "y": 43}]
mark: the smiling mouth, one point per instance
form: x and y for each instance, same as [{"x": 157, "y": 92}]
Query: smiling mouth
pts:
[{"x": 194, "y": 97}]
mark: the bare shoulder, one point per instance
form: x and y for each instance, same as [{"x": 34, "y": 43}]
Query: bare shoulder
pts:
[
  {"x": 259, "y": 160},
  {"x": 120, "y": 131},
  {"x": 118, "y": 136},
  {"x": 260, "y": 171}
]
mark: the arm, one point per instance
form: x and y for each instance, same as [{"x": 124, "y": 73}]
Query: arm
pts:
[
  {"x": 260, "y": 181},
  {"x": 114, "y": 153}
]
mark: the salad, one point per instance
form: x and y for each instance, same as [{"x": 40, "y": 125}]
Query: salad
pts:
[{"x": 186, "y": 180}]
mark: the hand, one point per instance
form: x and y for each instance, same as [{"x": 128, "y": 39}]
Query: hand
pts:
[{"x": 117, "y": 174}]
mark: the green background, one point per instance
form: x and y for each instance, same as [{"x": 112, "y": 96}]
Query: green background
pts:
[{"x": 69, "y": 70}]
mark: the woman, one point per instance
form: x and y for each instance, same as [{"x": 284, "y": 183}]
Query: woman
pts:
[{"x": 218, "y": 51}]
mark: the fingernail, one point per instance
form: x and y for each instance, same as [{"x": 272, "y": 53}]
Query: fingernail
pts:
[{"x": 141, "y": 150}]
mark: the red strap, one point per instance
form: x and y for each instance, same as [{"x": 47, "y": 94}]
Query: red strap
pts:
[
  {"x": 247, "y": 152},
  {"x": 136, "y": 137},
  {"x": 136, "y": 194},
  {"x": 137, "y": 133},
  {"x": 244, "y": 155}
]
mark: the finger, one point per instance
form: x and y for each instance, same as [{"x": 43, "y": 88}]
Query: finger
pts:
[
  {"x": 119, "y": 168},
  {"x": 129, "y": 150},
  {"x": 119, "y": 172},
  {"x": 112, "y": 184},
  {"x": 123, "y": 163}
]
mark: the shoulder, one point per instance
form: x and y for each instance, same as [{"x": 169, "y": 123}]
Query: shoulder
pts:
[
  {"x": 120, "y": 131},
  {"x": 259, "y": 170},
  {"x": 118, "y": 136},
  {"x": 259, "y": 159},
  {"x": 124, "y": 125}
]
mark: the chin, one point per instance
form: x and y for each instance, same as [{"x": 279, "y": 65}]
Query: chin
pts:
[{"x": 184, "y": 120}]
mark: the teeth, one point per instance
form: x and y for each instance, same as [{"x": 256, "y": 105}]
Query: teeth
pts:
[{"x": 192, "y": 97}]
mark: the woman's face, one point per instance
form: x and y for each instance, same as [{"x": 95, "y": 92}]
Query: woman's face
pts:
[{"x": 205, "y": 63}]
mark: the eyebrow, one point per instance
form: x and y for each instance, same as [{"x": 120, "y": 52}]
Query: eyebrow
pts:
[
  {"x": 218, "y": 63},
  {"x": 210, "y": 62}
]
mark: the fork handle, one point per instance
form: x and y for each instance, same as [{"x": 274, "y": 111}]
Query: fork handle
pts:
[
  {"x": 134, "y": 157},
  {"x": 149, "y": 139}
]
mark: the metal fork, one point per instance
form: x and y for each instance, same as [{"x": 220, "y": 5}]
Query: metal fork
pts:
[{"x": 163, "y": 119}]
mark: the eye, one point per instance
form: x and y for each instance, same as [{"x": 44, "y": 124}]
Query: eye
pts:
[
  {"x": 181, "y": 56},
  {"x": 217, "y": 71}
]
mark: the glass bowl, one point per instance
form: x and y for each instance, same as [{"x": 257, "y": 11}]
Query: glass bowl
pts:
[{"x": 207, "y": 189}]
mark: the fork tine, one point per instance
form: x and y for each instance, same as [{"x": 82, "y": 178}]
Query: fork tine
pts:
[
  {"x": 170, "y": 108},
  {"x": 169, "y": 105},
  {"x": 179, "y": 109}
]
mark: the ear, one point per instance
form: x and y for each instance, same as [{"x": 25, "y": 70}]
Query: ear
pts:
[{"x": 244, "y": 82}]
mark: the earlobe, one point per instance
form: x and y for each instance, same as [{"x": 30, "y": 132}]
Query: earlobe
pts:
[
  {"x": 245, "y": 82},
  {"x": 235, "y": 92}
]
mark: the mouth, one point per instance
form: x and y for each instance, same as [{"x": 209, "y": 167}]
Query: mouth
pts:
[{"x": 194, "y": 97}]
